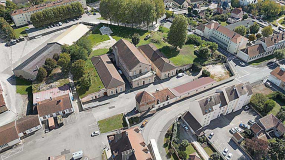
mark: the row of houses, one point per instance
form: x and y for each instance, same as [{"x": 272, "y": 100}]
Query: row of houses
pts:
[
  {"x": 12, "y": 133},
  {"x": 23, "y": 16}
]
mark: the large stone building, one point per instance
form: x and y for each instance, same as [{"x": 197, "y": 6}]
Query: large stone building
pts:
[
  {"x": 160, "y": 64},
  {"x": 133, "y": 64},
  {"x": 109, "y": 75},
  {"x": 23, "y": 16},
  {"x": 277, "y": 76},
  {"x": 226, "y": 38}
]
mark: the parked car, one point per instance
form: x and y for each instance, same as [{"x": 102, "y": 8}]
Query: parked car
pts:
[
  {"x": 229, "y": 156},
  {"x": 233, "y": 130},
  {"x": 180, "y": 75},
  {"x": 59, "y": 23},
  {"x": 94, "y": 13},
  {"x": 96, "y": 133},
  {"x": 246, "y": 108},
  {"x": 120, "y": 71},
  {"x": 13, "y": 42},
  {"x": 186, "y": 128},
  {"x": 21, "y": 39},
  {"x": 241, "y": 125},
  {"x": 211, "y": 135},
  {"x": 241, "y": 63},
  {"x": 144, "y": 123},
  {"x": 225, "y": 151},
  {"x": 268, "y": 84},
  {"x": 250, "y": 122}
]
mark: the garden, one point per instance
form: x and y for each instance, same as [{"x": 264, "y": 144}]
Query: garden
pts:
[{"x": 112, "y": 123}]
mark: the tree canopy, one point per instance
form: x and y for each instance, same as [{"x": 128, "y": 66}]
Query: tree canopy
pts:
[
  {"x": 64, "y": 62},
  {"x": 254, "y": 28},
  {"x": 267, "y": 31},
  {"x": 241, "y": 30},
  {"x": 252, "y": 37},
  {"x": 136, "y": 39},
  {"x": 78, "y": 69},
  {"x": 7, "y": 29},
  {"x": 178, "y": 31},
  {"x": 41, "y": 75},
  {"x": 56, "y": 14}
]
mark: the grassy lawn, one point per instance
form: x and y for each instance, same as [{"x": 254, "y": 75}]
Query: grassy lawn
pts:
[
  {"x": 209, "y": 150},
  {"x": 259, "y": 61},
  {"x": 224, "y": 23},
  {"x": 95, "y": 36},
  {"x": 23, "y": 86},
  {"x": 189, "y": 150},
  {"x": 120, "y": 32},
  {"x": 98, "y": 52},
  {"x": 96, "y": 83},
  {"x": 179, "y": 58},
  {"x": 21, "y": 31},
  {"x": 112, "y": 123}
]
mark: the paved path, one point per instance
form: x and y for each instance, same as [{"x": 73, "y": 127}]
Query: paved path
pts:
[{"x": 105, "y": 44}]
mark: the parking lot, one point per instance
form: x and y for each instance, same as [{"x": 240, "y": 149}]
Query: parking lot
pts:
[{"x": 222, "y": 137}]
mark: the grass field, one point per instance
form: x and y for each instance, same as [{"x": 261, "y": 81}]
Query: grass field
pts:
[
  {"x": 23, "y": 86},
  {"x": 98, "y": 52},
  {"x": 97, "y": 38},
  {"x": 20, "y": 31},
  {"x": 259, "y": 61},
  {"x": 189, "y": 150},
  {"x": 120, "y": 32},
  {"x": 209, "y": 150},
  {"x": 96, "y": 83},
  {"x": 112, "y": 123},
  {"x": 179, "y": 58}
]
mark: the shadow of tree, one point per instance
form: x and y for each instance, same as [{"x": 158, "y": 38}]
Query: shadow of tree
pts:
[{"x": 169, "y": 51}]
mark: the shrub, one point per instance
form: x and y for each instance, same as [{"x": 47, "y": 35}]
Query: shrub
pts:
[
  {"x": 55, "y": 57},
  {"x": 182, "y": 154},
  {"x": 196, "y": 66},
  {"x": 42, "y": 74},
  {"x": 206, "y": 73}
]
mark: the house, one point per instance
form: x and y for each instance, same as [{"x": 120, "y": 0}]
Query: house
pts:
[
  {"x": 29, "y": 68},
  {"x": 272, "y": 43},
  {"x": 159, "y": 63},
  {"x": 194, "y": 87},
  {"x": 236, "y": 15},
  {"x": 8, "y": 136},
  {"x": 252, "y": 53},
  {"x": 272, "y": 124},
  {"x": 247, "y": 2},
  {"x": 256, "y": 130},
  {"x": 277, "y": 76},
  {"x": 199, "y": 30},
  {"x": 191, "y": 122},
  {"x": 3, "y": 107},
  {"x": 194, "y": 156},
  {"x": 244, "y": 92},
  {"x": 144, "y": 101},
  {"x": 28, "y": 125},
  {"x": 61, "y": 105},
  {"x": 237, "y": 137},
  {"x": 133, "y": 64},
  {"x": 51, "y": 93},
  {"x": 23, "y": 16},
  {"x": 226, "y": 38},
  {"x": 128, "y": 144},
  {"x": 109, "y": 75},
  {"x": 223, "y": 7}
]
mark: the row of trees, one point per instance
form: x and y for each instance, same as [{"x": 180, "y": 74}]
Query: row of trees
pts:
[
  {"x": 7, "y": 29},
  {"x": 5, "y": 11},
  {"x": 56, "y": 14},
  {"x": 132, "y": 11}
]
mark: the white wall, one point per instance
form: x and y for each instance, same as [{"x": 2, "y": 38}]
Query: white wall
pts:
[{"x": 274, "y": 80}]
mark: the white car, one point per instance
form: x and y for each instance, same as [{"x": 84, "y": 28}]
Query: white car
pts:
[
  {"x": 238, "y": 129},
  {"x": 96, "y": 133},
  {"x": 225, "y": 151},
  {"x": 229, "y": 156},
  {"x": 241, "y": 63},
  {"x": 211, "y": 135},
  {"x": 180, "y": 75},
  {"x": 233, "y": 130}
]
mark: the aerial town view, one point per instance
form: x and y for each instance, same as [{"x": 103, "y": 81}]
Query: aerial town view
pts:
[{"x": 142, "y": 80}]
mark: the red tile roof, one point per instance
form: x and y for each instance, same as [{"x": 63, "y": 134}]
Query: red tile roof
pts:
[
  {"x": 190, "y": 86},
  {"x": 144, "y": 97},
  {"x": 254, "y": 50},
  {"x": 237, "y": 11},
  {"x": 163, "y": 94},
  {"x": 8, "y": 133},
  {"x": 279, "y": 73}
]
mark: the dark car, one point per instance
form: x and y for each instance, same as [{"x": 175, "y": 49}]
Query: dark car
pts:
[{"x": 147, "y": 37}]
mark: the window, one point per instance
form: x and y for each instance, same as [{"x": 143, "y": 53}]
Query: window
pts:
[
  {"x": 134, "y": 72},
  {"x": 111, "y": 92},
  {"x": 121, "y": 89}
]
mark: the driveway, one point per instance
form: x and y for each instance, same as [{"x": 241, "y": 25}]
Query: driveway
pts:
[{"x": 222, "y": 137}]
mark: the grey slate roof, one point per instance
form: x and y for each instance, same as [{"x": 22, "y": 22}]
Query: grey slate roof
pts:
[
  {"x": 107, "y": 72},
  {"x": 231, "y": 93},
  {"x": 158, "y": 59},
  {"x": 38, "y": 59},
  {"x": 207, "y": 104},
  {"x": 191, "y": 121}
]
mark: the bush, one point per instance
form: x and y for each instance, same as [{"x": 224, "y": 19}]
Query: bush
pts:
[
  {"x": 182, "y": 154},
  {"x": 206, "y": 73},
  {"x": 281, "y": 115},
  {"x": 194, "y": 39},
  {"x": 196, "y": 66},
  {"x": 258, "y": 100},
  {"x": 49, "y": 65},
  {"x": 258, "y": 35},
  {"x": 55, "y": 57},
  {"x": 269, "y": 105},
  {"x": 156, "y": 38}
]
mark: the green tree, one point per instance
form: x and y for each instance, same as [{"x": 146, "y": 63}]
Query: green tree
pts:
[
  {"x": 206, "y": 73},
  {"x": 258, "y": 100},
  {"x": 258, "y": 35},
  {"x": 55, "y": 57},
  {"x": 215, "y": 156},
  {"x": 279, "y": 54},
  {"x": 85, "y": 82},
  {"x": 269, "y": 105},
  {"x": 168, "y": 14},
  {"x": 254, "y": 28},
  {"x": 41, "y": 75},
  {"x": 178, "y": 31},
  {"x": 7, "y": 29},
  {"x": 189, "y": 9},
  {"x": 245, "y": 16},
  {"x": 182, "y": 155},
  {"x": 235, "y": 3},
  {"x": 241, "y": 30},
  {"x": 281, "y": 115},
  {"x": 204, "y": 52},
  {"x": 270, "y": 8},
  {"x": 49, "y": 65},
  {"x": 185, "y": 143},
  {"x": 64, "y": 62},
  {"x": 78, "y": 69},
  {"x": 277, "y": 149},
  {"x": 195, "y": 12},
  {"x": 252, "y": 37},
  {"x": 159, "y": 9},
  {"x": 85, "y": 43},
  {"x": 213, "y": 46},
  {"x": 267, "y": 31},
  {"x": 136, "y": 39}
]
